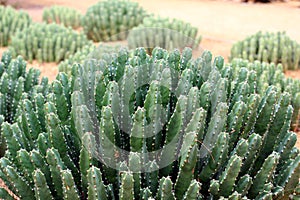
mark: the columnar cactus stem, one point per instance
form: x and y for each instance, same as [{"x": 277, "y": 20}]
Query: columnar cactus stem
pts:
[{"x": 126, "y": 191}]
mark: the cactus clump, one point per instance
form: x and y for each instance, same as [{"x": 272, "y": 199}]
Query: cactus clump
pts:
[
  {"x": 16, "y": 85},
  {"x": 269, "y": 47},
  {"x": 111, "y": 20},
  {"x": 47, "y": 42},
  {"x": 163, "y": 32},
  {"x": 11, "y": 21},
  {"x": 62, "y": 15},
  {"x": 103, "y": 51},
  {"x": 163, "y": 126}
]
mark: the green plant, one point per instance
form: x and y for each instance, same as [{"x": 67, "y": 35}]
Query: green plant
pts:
[
  {"x": 192, "y": 129},
  {"x": 269, "y": 47},
  {"x": 62, "y": 15},
  {"x": 111, "y": 20},
  {"x": 271, "y": 74},
  {"x": 103, "y": 52},
  {"x": 163, "y": 32},
  {"x": 16, "y": 85},
  {"x": 11, "y": 21},
  {"x": 47, "y": 42}
]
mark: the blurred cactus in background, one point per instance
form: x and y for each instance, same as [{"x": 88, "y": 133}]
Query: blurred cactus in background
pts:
[
  {"x": 111, "y": 20},
  {"x": 47, "y": 42},
  {"x": 165, "y": 33},
  {"x": 269, "y": 47},
  {"x": 164, "y": 126},
  {"x": 62, "y": 15},
  {"x": 11, "y": 21}
]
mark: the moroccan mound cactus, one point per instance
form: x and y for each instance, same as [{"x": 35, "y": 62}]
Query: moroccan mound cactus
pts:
[
  {"x": 103, "y": 51},
  {"x": 16, "y": 84},
  {"x": 47, "y": 42},
  {"x": 11, "y": 21},
  {"x": 271, "y": 74},
  {"x": 163, "y": 126},
  {"x": 163, "y": 32},
  {"x": 111, "y": 20},
  {"x": 62, "y": 15},
  {"x": 269, "y": 47}
]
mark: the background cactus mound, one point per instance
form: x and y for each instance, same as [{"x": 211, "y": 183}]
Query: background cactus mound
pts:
[
  {"x": 111, "y": 20},
  {"x": 230, "y": 141},
  {"x": 47, "y": 42},
  {"x": 163, "y": 32},
  {"x": 11, "y": 21},
  {"x": 16, "y": 85},
  {"x": 62, "y": 15},
  {"x": 269, "y": 47},
  {"x": 103, "y": 51}
]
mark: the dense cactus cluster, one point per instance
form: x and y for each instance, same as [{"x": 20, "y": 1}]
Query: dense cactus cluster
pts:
[
  {"x": 271, "y": 74},
  {"x": 111, "y": 20},
  {"x": 47, "y": 42},
  {"x": 62, "y": 15},
  {"x": 11, "y": 21},
  {"x": 269, "y": 47},
  {"x": 163, "y": 32},
  {"x": 163, "y": 126},
  {"x": 15, "y": 85},
  {"x": 103, "y": 51}
]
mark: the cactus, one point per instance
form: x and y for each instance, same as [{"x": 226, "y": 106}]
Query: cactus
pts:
[
  {"x": 111, "y": 20},
  {"x": 62, "y": 15},
  {"x": 269, "y": 47},
  {"x": 16, "y": 85},
  {"x": 11, "y": 21},
  {"x": 163, "y": 32},
  {"x": 103, "y": 51},
  {"x": 47, "y": 42},
  {"x": 135, "y": 128},
  {"x": 271, "y": 74}
]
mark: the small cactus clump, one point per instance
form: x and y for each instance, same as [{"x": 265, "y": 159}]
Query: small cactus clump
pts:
[
  {"x": 163, "y": 32},
  {"x": 163, "y": 126},
  {"x": 47, "y": 42},
  {"x": 111, "y": 20},
  {"x": 269, "y": 47},
  {"x": 11, "y": 21},
  {"x": 62, "y": 15},
  {"x": 103, "y": 51}
]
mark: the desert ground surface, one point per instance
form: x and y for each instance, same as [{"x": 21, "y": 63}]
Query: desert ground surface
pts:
[{"x": 220, "y": 22}]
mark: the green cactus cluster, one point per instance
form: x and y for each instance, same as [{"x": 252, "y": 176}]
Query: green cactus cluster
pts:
[
  {"x": 62, "y": 15},
  {"x": 163, "y": 32},
  {"x": 102, "y": 51},
  {"x": 269, "y": 47},
  {"x": 16, "y": 84},
  {"x": 164, "y": 126},
  {"x": 272, "y": 74},
  {"x": 47, "y": 42},
  {"x": 11, "y": 21},
  {"x": 111, "y": 20}
]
